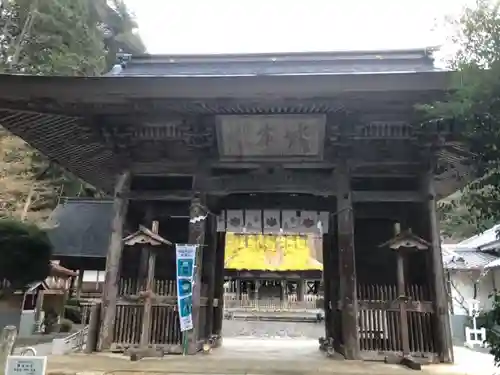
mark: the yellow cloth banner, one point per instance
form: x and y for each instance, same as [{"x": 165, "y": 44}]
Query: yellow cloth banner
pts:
[{"x": 270, "y": 252}]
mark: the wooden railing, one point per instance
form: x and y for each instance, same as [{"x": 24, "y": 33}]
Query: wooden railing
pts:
[
  {"x": 380, "y": 321},
  {"x": 127, "y": 287},
  {"x": 72, "y": 344},
  {"x": 165, "y": 332},
  {"x": 244, "y": 302}
]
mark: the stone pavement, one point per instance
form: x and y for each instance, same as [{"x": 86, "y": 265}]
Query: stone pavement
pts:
[
  {"x": 256, "y": 356},
  {"x": 272, "y": 329}
]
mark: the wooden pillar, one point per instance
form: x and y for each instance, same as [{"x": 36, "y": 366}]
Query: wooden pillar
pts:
[
  {"x": 197, "y": 223},
  {"x": 328, "y": 304},
  {"x": 210, "y": 274},
  {"x": 439, "y": 283},
  {"x": 219, "y": 282},
  {"x": 110, "y": 291},
  {"x": 347, "y": 265}
]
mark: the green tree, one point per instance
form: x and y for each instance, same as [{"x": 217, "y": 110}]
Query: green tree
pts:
[
  {"x": 473, "y": 105},
  {"x": 54, "y": 37},
  {"x": 120, "y": 29},
  {"x": 459, "y": 222},
  {"x": 23, "y": 247}
]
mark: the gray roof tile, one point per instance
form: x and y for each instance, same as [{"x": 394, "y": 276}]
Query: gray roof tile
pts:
[
  {"x": 312, "y": 63},
  {"x": 468, "y": 260},
  {"x": 81, "y": 228}
]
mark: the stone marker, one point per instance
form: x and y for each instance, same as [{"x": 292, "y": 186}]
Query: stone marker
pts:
[{"x": 7, "y": 341}]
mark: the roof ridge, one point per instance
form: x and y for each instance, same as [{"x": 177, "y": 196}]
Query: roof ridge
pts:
[{"x": 423, "y": 52}]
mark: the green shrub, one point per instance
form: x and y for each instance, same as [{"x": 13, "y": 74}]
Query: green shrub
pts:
[
  {"x": 25, "y": 252},
  {"x": 73, "y": 313},
  {"x": 491, "y": 322},
  {"x": 65, "y": 325}
]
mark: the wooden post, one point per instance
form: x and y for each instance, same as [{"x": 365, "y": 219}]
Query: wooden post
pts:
[
  {"x": 38, "y": 310},
  {"x": 79, "y": 284},
  {"x": 197, "y": 223},
  {"x": 142, "y": 273},
  {"x": 402, "y": 305},
  {"x": 219, "y": 282},
  {"x": 439, "y": 281},
  {"x": 282, "y": 291},
  {"x": 91, "y": 344},
  {"x": 401, "y": 290},
  {"x": 7, "y": 341},
  {"x": 110, "y": 291},
  {"x": 300, "y": 290},
  {"x": 347, "y": 264},
  {"x": 237, "y": 283},
  {"x": 256, "y": 294},
  {"x": 210, "y": 274},
  {"x": 148, "y": 303}
]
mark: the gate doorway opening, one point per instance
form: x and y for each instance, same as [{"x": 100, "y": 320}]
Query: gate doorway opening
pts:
[{"x": 272, "y": 285}]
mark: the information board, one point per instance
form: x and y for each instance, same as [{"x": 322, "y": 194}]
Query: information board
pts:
[
  {"x": 25, "y": 365},
  {"x": 185, "y": 260}
]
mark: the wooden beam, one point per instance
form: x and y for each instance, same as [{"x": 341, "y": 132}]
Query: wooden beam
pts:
[
  {"x": 197, "y": 224},
  {"x": 273, "y": 181},
  {"x": 367, "y": 196},
  {"x": 113, "y": 259},
  {"x": 164, "y": 167},
  {"x": 386, "y": 196},
  {"x": 439, "y": 281},
  {"x": 379, "y": 210},
  {"x": 170, "y": 196},
  {"x": 347, "y": 264}
]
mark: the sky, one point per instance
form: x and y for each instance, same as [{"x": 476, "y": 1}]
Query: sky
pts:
[{"x": 253, "y": 26}]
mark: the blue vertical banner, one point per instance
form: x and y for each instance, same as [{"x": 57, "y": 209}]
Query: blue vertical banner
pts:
[{"x": 185, "y": 260}]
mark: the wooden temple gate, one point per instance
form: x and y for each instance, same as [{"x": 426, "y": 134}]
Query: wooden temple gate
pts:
[{"x": 304, "y": 135}]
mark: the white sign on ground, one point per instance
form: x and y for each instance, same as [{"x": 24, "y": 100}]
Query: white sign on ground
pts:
[{"x": 25, "y": 365}]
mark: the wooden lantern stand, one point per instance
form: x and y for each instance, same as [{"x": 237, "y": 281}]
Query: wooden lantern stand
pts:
[
  {"x": 150, "y": 240},
  {"x": 402, "y": 243}
]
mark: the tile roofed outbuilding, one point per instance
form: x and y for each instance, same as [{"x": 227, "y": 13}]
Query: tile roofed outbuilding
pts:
[
  {"x": 483, "y": 240},
  {"x": 468, "y": 260},
  {"x": 81, "y": 228}
]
